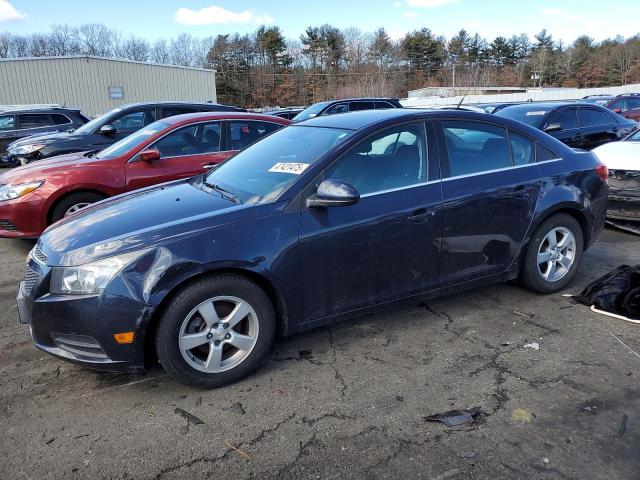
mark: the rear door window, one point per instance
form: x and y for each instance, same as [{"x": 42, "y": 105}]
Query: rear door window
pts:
[
  {"x": 171, "y": 111},
  {"x": 59, "y": 119},
  {"x": 567, "y": 118},
  {"x": 592, "y": 118},
  {"x": 357, "y": 106},
  {"x": 244, "y": 133},
  {"x": 634, "y": 103},
  {"x": 7, "y": 122},
  {"x": 34, "y": 120},
  {"x": 382, "y": 105},
  {"x": 475, "y": 147}
]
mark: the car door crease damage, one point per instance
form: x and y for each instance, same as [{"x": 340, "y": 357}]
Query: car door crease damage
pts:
[{"x": 308, "y": 226}]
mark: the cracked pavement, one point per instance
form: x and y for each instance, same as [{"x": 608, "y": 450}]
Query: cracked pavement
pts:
[{"x": 349, "y": 401}]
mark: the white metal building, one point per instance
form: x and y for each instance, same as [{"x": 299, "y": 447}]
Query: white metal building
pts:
[{"x": 97, "y": 84}]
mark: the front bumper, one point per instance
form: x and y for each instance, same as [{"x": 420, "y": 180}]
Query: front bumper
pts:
[
  {"x": 80, "y": 329},
  {"x": 23, "y": 217}
]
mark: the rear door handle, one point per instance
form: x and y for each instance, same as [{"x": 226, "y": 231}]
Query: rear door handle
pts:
[
  {"x": 209, "y": 165},
  {"x": 421, "y": 215}
]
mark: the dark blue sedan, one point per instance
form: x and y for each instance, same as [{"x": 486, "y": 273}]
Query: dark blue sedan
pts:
[{"x": 312, "y": 224}]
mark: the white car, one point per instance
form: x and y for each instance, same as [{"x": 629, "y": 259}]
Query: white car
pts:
[{"x": 623, "y": 161}]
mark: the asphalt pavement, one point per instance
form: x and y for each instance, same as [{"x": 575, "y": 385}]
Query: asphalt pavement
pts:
[{"x": 557, "y": 388}]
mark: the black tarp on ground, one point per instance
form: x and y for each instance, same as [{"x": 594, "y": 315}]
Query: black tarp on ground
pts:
[{"x": 616, "y": 292}]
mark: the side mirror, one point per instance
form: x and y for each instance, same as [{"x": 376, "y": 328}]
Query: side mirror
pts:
[
  {"x": 617, "y": 110},
  {"x": 150, "y": 155},
  {"x": 333, "y": 193},
  {"x": 553, "y": 127},
  {"x": 107, "y": 130}
]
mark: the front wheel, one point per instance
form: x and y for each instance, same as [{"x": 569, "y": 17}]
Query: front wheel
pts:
[
  {"x": 74, "y": 203},
  {"x": 553, "y": 255},
  {"x": 215, "y": 331}
]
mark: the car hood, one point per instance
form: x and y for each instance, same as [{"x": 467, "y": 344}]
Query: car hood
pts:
[
  {"x": 48, "y": 138},
  {"x": 619, "y": 155},
  {"x": 40, "y": 169},
  {"x": 138, "y": 220}
]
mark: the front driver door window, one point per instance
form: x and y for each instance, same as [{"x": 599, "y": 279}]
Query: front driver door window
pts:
[
  {"x": 184, "y": 152},
  {"x": 386, "y": 245},
  {"x": 131, "y": 122}
]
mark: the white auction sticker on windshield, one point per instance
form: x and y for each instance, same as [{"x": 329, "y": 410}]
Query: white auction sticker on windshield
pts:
[
  {"x": 537, "y": 112},
  {"x": 289, "y": 167}
]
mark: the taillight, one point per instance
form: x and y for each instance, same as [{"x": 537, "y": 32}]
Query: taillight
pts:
[{"x": 603, "y": 172}]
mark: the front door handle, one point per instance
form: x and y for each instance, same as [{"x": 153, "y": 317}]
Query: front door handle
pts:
[
  {"x": 421, "y": 215},
  {"x": 209, "y": 165}
]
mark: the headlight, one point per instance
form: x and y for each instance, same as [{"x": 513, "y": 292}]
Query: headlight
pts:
[
  {"x": 91, "y": 278},
  {"x": 11, "y": 191},
  {"x": 26, "y": 149}
]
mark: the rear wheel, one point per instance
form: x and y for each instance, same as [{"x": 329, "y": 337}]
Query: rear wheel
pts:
[
  {"x": 215, "y": 331},
  {"x": 74, "y": 203},
  {"x": 553, "y": 255}
]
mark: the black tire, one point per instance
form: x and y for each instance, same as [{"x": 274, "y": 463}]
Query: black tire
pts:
[
  {"x": 530, "y": 276},
  {"x": 74, "y": 199},
  {"x": 170, "y": 324}
]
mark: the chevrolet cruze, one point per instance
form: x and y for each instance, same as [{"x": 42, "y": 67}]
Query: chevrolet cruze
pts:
[{"x": 309, "y": 225}]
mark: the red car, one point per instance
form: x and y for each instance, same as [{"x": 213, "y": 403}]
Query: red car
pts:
[{"x": 38, "y": 194}]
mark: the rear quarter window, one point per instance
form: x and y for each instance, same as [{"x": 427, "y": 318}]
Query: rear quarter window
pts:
[{"x": 543, "y": 153}]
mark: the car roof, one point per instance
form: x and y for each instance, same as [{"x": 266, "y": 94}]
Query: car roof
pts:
[
  {"x": 541, "y": 105},
  {"x": 37, "y": 108},
  {"x": 177, "y": 103},
  {"x": 199, "y": 116},
  {"x": 364, "y": 118}
]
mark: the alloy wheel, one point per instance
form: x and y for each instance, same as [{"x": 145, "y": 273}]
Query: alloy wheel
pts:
[
  {"x": 556, "y": 254},
  {"x": 75, "y": 208},
  {"x": 218, "y": 334}
]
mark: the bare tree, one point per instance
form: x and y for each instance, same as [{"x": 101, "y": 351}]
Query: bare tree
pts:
[
  {"x": 136, "y": 49},
  {"x": 95, "y": 39},
  {"x": 160, "y": 52},
  {"x": 63, "y": 41}
]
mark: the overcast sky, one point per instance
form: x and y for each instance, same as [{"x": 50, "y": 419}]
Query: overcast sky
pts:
[{"x": 151, "y": 19}]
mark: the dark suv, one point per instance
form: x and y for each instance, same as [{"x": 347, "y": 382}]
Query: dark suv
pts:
[
  {"x": 579, "y": 125},
  {"x": 18, "y": 121},
  {"x": 627, "y": 105},
  {"x": 102, "y": 131},
  {"x": 331, "y": 107}
]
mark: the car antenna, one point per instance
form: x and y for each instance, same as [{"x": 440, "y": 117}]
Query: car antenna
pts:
[{"x": 464, "y": 95}]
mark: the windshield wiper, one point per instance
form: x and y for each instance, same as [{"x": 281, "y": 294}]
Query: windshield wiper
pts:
[{"x": 223, "y": 192}]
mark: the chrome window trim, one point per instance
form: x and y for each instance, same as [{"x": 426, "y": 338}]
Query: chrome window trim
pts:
[
  {"x": 496, "y": 170},
  {"x": 404, "y": 187}
]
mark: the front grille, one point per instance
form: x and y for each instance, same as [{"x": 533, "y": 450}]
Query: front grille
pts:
[
  {"x": 39, "y": 255},
  {"x": 7, "y": 225},
  {"x": 30, "y": 279}
]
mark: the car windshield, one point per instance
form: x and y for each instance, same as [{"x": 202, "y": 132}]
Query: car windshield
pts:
[
  {"x": 259, "y": 173},
  {"x": 310, "y": 112},
  {"x": 531, "y": 115},
  {"x": 133, "y": 140},
  {"x": 92, "y": 124}
]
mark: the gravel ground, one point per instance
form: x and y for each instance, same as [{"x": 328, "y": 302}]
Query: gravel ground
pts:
[{"x": 349, "y": 401}]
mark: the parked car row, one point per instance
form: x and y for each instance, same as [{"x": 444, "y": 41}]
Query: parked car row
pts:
[
  {"x": 267, "y": 229},
  {"x": 99, "y": 132},
  {"x": 169, "y": 149}
]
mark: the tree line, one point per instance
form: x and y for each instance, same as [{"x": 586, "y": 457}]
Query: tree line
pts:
[{"x": 266, "y": 68}]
